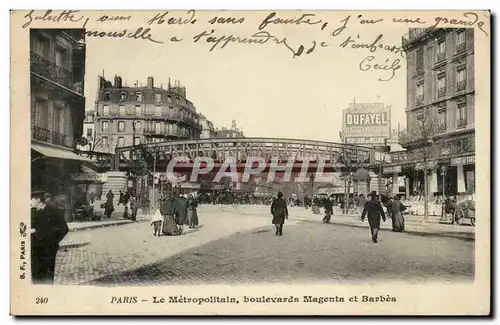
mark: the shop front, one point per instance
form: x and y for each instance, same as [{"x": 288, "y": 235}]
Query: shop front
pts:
[
  {"x": 53, "y": 170},
  {"x": 465, "y": 174}
]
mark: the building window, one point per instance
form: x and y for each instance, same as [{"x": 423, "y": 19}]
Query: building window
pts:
[
  {"x": 158, "y": 97},
  {"x": 441, "y": 50},
  {"x": 105, "y": 142},
  {"x": 105, "y": 126},
  {"x": 62, "y": 57},
  {"x": 137, "y": 140},
  {"x": 461, "y": 79},
  {"x": 136, "y": 125},
  {"x": 121, "y": 126},
  {"x": 460, "y": 41},
  {"x": 420, "y": 92},
  {"x": 42, "y": 47},
  {"x": 89, "y": 133},
  {"x": 107, "y": 96},
  {"x": 169, "y": 99},
  {"x": 177, "y": 100},
  {"x": 441, "y": 118},
  {"x": 106, "y": 110},
  {"x": 419, "y": 59},
  {"x": 123, "y": 96},
  {"x": 138, "y": 97},
  {"x": 441, "y": 85},
  {"x": 461, "y": 114},
  {"x": 158, "y": 127},
  {"x": 121, "y": 141},
  {"x": 158, "y": 110},
  {"x": 122, "y": 110}
]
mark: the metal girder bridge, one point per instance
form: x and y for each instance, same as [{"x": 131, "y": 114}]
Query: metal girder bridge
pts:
[{"x": 219, "y": 149}]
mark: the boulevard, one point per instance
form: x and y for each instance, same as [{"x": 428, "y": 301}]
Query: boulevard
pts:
[{"x": 234, "y": 246}]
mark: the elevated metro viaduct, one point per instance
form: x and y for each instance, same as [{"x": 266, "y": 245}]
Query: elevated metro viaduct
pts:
[{"x": 337, "y": 156}]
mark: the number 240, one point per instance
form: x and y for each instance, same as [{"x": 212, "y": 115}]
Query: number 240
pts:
[{"x": 41, "y": 300}]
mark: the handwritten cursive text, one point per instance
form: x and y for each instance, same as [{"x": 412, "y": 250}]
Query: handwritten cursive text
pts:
[
  {"x": 140, "y": 33},
  {"x": 304, "y": 19},
  {"x": 394, "y": 66},
  {"x": 64, "y": 16}
]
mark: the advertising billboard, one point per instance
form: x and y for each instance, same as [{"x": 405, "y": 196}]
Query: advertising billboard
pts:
[{"x": 366, "y": 123}]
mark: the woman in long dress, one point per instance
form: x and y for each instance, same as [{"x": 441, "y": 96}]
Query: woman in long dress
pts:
[
  {"x": 396, "y": 209},
  {"x": 168, "y": 210},
  {"x": 108, "y": 206},
  {"x": 192, "y": 213}
]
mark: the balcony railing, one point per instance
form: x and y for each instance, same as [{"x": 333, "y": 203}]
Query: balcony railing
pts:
[
  {"x": 41, "y": 134},
  {"x": 460, "y": 48},
  {"x": 54, "y": 73},
  {"x": 441, "y": 128},
  {"x": 441, "y": 57},
  {"x": 461, "y": 85},
  {"x": 441, "y": 91},
  {"x": 461, "y": 123}
]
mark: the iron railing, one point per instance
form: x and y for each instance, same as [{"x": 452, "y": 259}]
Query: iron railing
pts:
[
  {"x": 461, "y": 123},
  {"x": 460, "y": 48},
  {"x": 461, "y": 85},
  {"x": 441, "y": 57},
  {"x": 50, "y": 70},
  {"x": 53, "y": 137},
  {"x": 441, "y": 91}
]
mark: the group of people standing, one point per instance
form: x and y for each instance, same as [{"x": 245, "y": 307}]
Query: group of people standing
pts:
[
  {"x": 173, "y": 213},
  {"x": 129, "y": 201}
]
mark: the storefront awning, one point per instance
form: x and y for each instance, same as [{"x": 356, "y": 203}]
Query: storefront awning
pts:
[{"x": 57, "y": 153}]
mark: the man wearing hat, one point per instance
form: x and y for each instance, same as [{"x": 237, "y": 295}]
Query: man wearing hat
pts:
[
  {"x": 279, "y": 212},
  {"x": 50, "y": 228},
  {"x": 374, "y": 210}
]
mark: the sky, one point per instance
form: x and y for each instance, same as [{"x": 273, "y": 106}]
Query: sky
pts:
[{"x": 267, "y": 91}]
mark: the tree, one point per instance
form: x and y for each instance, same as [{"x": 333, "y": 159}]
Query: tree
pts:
[
  {"x": 424, "y": 144},
  {"x": 350, "y": 159}
]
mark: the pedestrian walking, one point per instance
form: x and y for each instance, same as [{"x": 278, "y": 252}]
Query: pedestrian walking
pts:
[
  {"x": 50, "y": 228},
  {"x": 279, "y": 212},
  {"x": 328, "y": 205},
  {"x": 120, "y": 198},
  {"x": 181, "y": 203},
  {"x": 396, "y": 209},
  {"x": 126, "y": 210},
  {"x": 361, "y": 202},
  {"x": 374, "y": 210},
  {"x": 108, "y": 206},
  {"x": 156, "y": 221},
  {"x": 133, "y": 208},
  {"x": 192, "y": 212},
  {"x": 168, "y": 211}
]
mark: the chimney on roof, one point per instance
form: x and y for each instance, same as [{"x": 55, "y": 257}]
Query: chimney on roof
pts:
[
  {"x": 150, "y": 82},
  {"x": 118, "y": 81}
]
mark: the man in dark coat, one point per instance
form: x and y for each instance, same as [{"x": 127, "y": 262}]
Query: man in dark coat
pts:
[
  {"x": 50, "y": 228},
  {"x": 328, "y": 204},
  {"x": 374, "y": 210},
  {"x": 279, "y": 212}
]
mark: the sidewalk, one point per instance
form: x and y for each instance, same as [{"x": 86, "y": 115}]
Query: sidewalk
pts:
[
  {"x": 86, "y": 225},
  {"x": 414, "y": 224}
]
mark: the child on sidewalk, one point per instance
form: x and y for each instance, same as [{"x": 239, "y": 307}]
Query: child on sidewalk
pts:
[{"x": 156, "y": 221}]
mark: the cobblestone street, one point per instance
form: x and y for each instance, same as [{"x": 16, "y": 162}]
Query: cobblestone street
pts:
[{"x": 232, "y": 247}]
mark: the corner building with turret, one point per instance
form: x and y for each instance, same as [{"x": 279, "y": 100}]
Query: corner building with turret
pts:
[{"x": 127, "y": 116}]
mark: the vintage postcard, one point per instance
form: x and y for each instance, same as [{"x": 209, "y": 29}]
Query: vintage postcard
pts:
[{"x": 250, "y": 162}]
